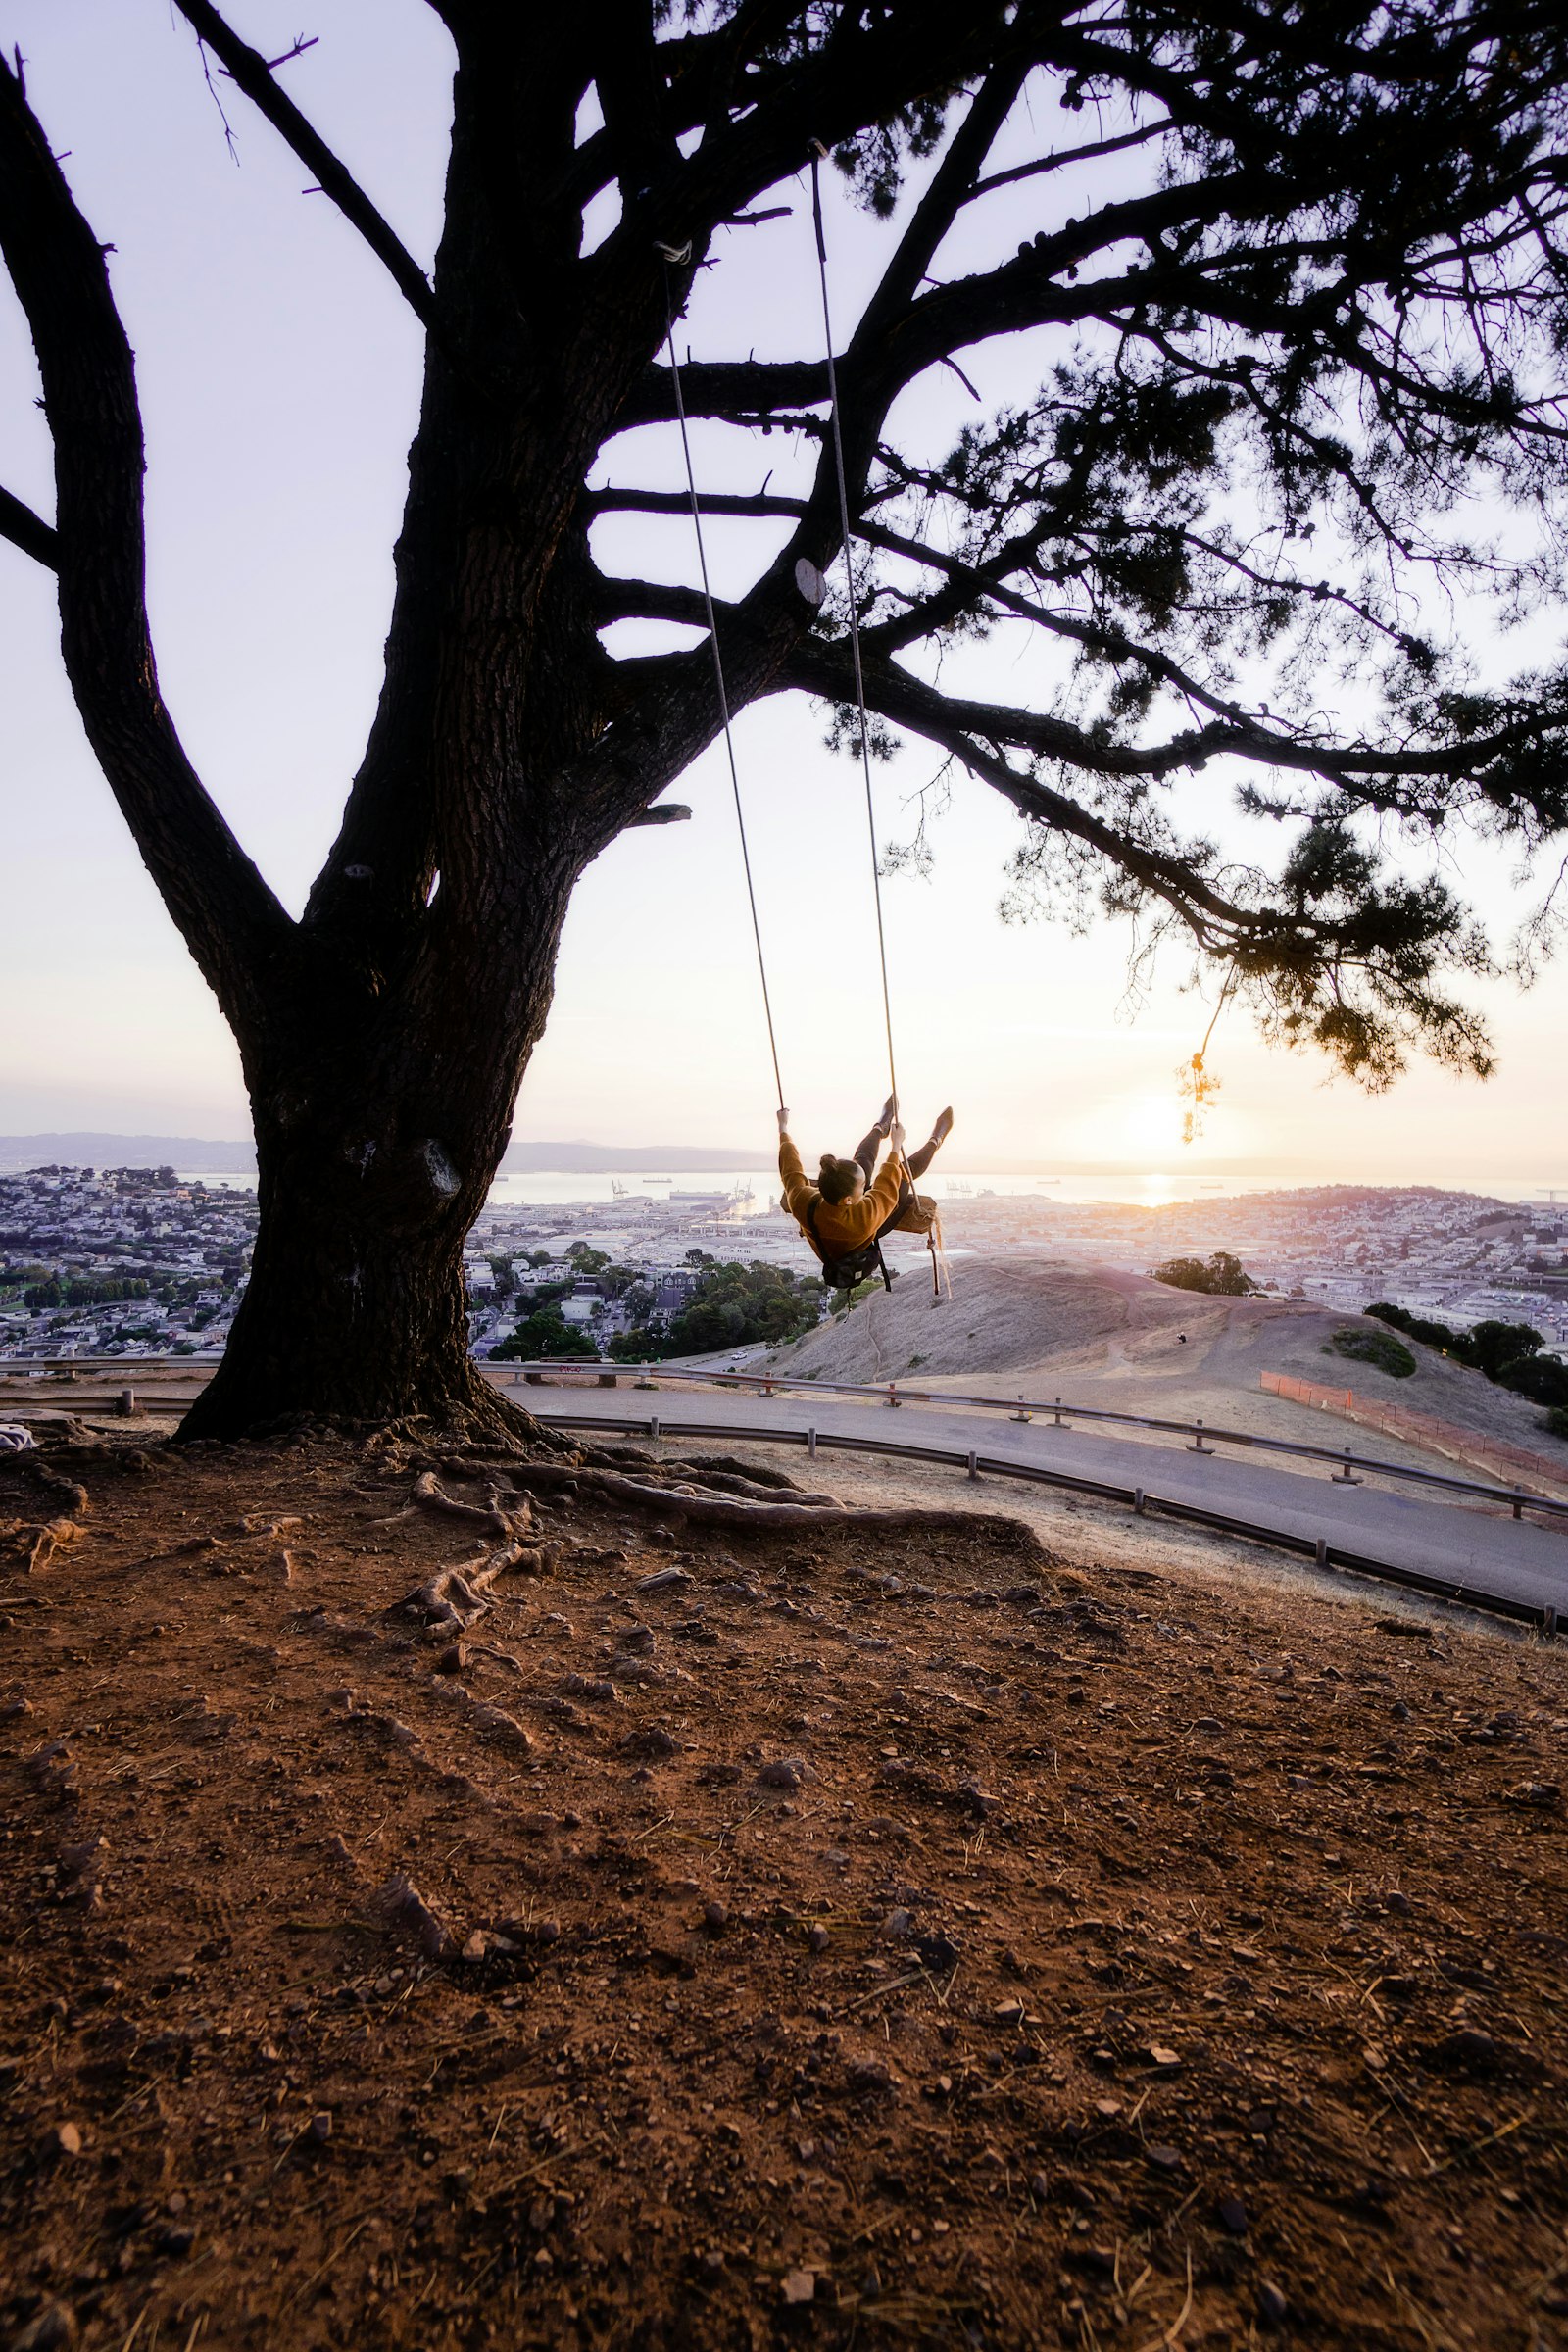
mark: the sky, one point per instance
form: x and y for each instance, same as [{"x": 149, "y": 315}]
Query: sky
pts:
[{"x": 279, "y": 376}]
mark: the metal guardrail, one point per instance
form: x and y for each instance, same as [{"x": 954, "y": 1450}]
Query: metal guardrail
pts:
[
  {"x": 1059, "y": 1413},
  {"x": 1323, "y": 1554}
]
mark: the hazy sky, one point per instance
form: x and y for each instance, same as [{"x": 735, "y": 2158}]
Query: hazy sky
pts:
[{"x": 279, "y": 378}]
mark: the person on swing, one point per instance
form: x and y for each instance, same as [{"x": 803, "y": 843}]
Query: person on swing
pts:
[{"x": 850, "y": 1205}]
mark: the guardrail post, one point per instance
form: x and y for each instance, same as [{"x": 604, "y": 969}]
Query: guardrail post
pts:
[
  {"x": 1198, "y": 1446},
  {"x": 1021, "y": 1415},
  {"x": 1548, "y": 1623},
  {"x": 607, "y": 1380},
  {"x": 128, "y": 1406},
  {"x": 811, "y": 1445},
  {"x": 1137, "y": 1501},
  {"x": 653, "y": 1425},
  {"x": 1322, "y": 1553},
  {"x": 893, "y": 1391},
  {"x": 1348, "y": 1478},
  {"x": 974, "y": 1468}
]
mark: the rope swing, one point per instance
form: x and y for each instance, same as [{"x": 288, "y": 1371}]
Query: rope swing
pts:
[
  {"x": 676, "y": 255},
  {"x": 718, "y": 665}
]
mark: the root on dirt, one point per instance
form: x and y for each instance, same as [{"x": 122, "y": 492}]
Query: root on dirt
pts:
[
  {"x": 725, "y": 1496},
  {"x": 450, "y": 1600}
]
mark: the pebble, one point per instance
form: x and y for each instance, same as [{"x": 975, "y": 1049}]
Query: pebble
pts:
[
  {"x": 1271, "y": 2304},
  {"x": 318, "y": 2130},
  {"x": 799, "y": 2286},
  {"x": 938, "y": 1951},
  {"x": 1161, "y": 2056},
  {"x": 60, "y": 2140},
  {"x": 1166, "y": 2159},
  {"x": 785, "y": 1772},
  {"x": 1233, "y": 2216},
  {"x": 452, "y": 1659},
  {"x": 816, "y": 1940},
  {"x": 898, "y": 1926},
  {"x": 652, "y": 1741},
  {"x": 47, "y": 2330},
  {"x": 715, "y": 1917},
  {"x": 663, "y": 1580},
  {"x": 586, "y": 1685},
  {"x": 1039, "y": 2186}
]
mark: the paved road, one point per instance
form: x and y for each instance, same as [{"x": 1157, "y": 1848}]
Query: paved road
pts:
[{"x": 1483, "y": 1550}]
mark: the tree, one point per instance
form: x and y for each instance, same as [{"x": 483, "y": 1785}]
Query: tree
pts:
[
  {"x": 1293, "y": 278},
  {"x": 734, "y": 1305},
  {"x": 1221, "y": 1276},
  {"x": 543, "y": 1335}
]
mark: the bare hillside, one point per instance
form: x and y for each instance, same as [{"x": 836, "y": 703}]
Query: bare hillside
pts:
[{"x": 1031, "y": 1325}]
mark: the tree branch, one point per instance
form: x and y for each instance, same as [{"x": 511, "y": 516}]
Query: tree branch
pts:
[
  {"x": 614, "y": 500},
  {"x": 28, "y": 531},
  {"x": 227, "y": 916},
  {"x": 250, "y": 72}
]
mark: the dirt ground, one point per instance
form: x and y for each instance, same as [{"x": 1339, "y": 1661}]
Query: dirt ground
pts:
[{"x": 992, "y": 1937}]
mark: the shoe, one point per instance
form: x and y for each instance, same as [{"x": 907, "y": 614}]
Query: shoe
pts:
[
  {"x": 886, "y": 1116},
  {"x": 943, "y": 1127}
]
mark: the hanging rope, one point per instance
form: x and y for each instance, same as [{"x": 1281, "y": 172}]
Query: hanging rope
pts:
[
  {"x": 934, "y": 1236},
  {"x": 855, "y": 620},
  {"x": 718, "y": 667}
]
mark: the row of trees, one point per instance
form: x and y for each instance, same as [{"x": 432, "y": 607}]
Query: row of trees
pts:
[
  {"x": 728, "y": 1305},
  {"x": 1510, "y": 1353}
]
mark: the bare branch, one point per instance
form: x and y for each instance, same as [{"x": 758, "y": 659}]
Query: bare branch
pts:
[
  {"x": 251, "y": 72},
  {"x": 663, "y": 812},
  {"x": 28, "y": 531},
  {"x": 229, "y": 917}
]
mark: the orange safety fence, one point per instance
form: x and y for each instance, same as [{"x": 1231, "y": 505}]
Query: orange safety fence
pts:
[{"x": 1514, "y": 1465}]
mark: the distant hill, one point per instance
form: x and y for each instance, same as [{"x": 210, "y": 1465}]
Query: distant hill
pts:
[{"x": 88, "y": 1149}]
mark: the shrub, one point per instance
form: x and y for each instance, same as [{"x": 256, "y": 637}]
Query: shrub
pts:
[
  {"x": 1379, "y": 1348},
  {"x": 1556, "y": 1423},
  {"x": 1543, "y": 1378}
]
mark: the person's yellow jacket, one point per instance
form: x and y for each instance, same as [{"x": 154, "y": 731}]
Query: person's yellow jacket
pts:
[{"x": 841, "y": 1225}]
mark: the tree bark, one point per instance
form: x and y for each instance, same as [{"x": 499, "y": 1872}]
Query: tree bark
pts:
[{"x": 381, "y": 1121}]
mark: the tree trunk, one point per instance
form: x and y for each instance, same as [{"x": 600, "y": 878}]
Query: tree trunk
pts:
[{"x": 369, "y": 1179}]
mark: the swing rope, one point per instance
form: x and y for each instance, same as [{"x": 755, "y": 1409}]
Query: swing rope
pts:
[
  {"x": 718, "y": 676},
  {"x": 855, "y": 618},
  {"x": 669, "y": 255},
  {"x": 934, "y": 1236}
]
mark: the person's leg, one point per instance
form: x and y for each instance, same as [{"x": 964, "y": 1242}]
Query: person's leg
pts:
[
  {"x": 866, "y": 1151},
  {"x": 917, "y": 1162}
]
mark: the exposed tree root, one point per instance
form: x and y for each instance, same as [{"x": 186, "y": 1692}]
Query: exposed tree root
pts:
[
  {"x": 31, "y": 1546},
  {"x": 451, "y": 1600},
  {"x": 428, "y": 1495},
  {"x": 801, "y": 1513}
]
